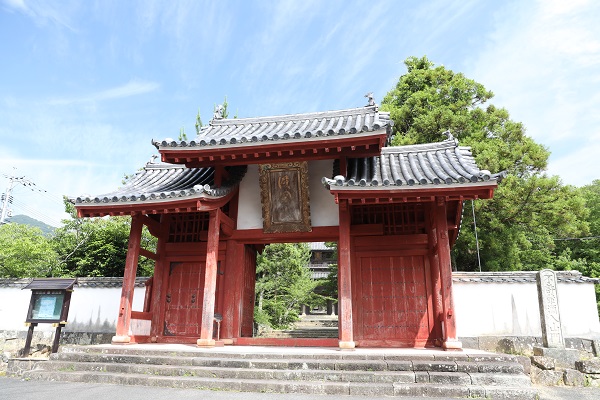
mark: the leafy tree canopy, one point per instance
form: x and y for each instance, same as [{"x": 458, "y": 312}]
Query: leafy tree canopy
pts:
[
  {"x": 283, "y": 284},
  {"x": 517, "y": 228},
  {"x": 97, "y": 246},
  {"x": 25, "y": 252}
]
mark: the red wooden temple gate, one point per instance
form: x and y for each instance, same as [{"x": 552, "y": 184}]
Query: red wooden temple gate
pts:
[{"x": 215, "y": 201}]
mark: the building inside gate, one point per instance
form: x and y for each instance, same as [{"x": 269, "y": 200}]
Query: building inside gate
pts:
[{"x": 215, "y": 201}]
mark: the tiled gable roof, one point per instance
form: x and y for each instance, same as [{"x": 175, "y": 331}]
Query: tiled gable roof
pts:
[
  {"x": 443, "y": 163},
  {"x": 162, "y": 181},
  {"x": 237, "y": 131}
]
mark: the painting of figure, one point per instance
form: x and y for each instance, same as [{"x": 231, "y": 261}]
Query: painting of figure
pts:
[{"x": 284, "y": 193}]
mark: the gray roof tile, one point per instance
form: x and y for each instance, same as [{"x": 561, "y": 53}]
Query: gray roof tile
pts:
[
  {"x": 100, "y": 282},
  {"x": 519, "y": 277},
  {"x": 226, "y": 132},
  {"x": 421, "y": 164},
  {"x": 162, "y": 181}
]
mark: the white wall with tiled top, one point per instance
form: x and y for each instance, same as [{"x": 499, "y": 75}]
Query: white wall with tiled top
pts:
[
  {"x": 511, "y": 309},
  {"x": 93, "y": 309}
]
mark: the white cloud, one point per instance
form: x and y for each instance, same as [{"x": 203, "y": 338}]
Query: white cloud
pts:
[
  {"x": 42, "y": 12},
  {"x": 543, "y": 63},
  {"x": 579, "y": 167},
  {"x": 131, "y": 88}
]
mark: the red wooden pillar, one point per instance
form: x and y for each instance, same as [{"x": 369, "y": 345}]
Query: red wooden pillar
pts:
[
  {"x": 131, "y": 263},
  {"x": 249, "y": 290},
  {"x": 210, "y": 281},
  {"x": 436, "y": 287},
  {"x": 160, "y": 267},
  {"x": 344, "y": 279},
  {"x": 450, "y": 340},
  {"x": 234, "y": 287}
]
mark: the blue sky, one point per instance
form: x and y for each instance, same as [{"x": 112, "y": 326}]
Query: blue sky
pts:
[{"x": 86, "y": 85}]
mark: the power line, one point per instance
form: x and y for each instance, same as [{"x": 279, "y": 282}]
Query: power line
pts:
[
  {"x": 581, "y": 238},
  {"x": 8, "y": 198},
  {"x": 37, "y": 215}
]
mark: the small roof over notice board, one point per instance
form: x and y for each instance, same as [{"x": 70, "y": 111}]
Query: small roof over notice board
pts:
[{"x": 51, "y": 284}]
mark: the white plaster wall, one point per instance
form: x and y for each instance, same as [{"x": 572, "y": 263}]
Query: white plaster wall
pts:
[
  {"x": 323, "y": 210},
  {"x": 504, "y": 309},
  {"x": 496, "y": 309},
  {"x": 92, "y": 309},
  {"x": 249, "y": 207},
  {"x": 578, "y": 311},
  {"x": 97, "y": 309},
  {"x": 14, "y": 304}
]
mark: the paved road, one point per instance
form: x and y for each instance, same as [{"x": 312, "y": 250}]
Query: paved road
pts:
[{"x": 16, "y": 389}]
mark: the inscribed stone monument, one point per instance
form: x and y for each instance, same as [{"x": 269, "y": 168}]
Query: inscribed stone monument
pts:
[{"x": 552, "y": 335}]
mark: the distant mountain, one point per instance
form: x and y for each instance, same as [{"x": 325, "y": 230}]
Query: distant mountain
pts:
[{"x": 25, "y": 220}]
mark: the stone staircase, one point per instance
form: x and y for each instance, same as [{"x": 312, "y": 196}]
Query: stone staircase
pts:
[
  {"x": 309, "y": 326},
  {"x": 373, "y": 372}
]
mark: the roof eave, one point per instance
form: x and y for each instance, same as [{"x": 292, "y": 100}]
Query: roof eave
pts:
[
  {"x": 190, "y": 204},
  {"x": 366, "y": 144},
  {"x": 420, "y": 193}
]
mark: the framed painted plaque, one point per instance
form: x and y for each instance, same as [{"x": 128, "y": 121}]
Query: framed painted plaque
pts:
[{"x": 284, "y": 196}]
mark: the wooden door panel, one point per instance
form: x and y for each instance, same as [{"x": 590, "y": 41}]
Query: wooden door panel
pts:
[
  {"x": 183, "y": 310},
  {"x": 392, "y": 298}
]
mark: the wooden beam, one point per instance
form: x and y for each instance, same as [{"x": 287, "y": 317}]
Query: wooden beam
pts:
[
  {"x": 227, "y": 224},
  {"x": 153, "y": 225},
  {"x": 148, "y": 254},
  {"x": 257, "y": 236},
  {"x": 141, "y": 315},
  {"x": 367, "y": 230}
]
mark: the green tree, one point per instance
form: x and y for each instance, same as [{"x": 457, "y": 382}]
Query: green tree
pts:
[
  {"x": 529, "y": 209},
  {"x": 330, "y": 284},
  {"x": 97, "y": 246},
  {"x": 26, "y": 253},
  {"x": 583, "y": 253},
  {"x": 283, "y": 284}
]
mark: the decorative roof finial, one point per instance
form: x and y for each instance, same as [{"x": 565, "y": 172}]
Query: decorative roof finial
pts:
[
  {"x": 448, "y": 135},
  {"x": 218, "y": 114},
  {"x": 371, "y": 101}
]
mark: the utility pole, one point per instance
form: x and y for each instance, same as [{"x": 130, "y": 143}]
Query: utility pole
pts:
[{"x": 7, "y": 198}]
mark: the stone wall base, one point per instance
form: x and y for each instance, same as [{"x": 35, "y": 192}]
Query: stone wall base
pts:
[
  {"x": 13, "y": 342},
  {"x": 523, "y": 345}
]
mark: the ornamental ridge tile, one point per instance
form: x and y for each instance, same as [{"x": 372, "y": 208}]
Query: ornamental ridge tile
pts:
[{"x": 256, "y": 130}]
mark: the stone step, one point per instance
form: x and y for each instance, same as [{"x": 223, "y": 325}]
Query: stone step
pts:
[
  {"x": 312, "y": 353},
  {"x": 510, "y": 368},
  {"x": 288, "y": 386},
  {"x": 311, "y": 371},
  {"x": 462, "y": 378},
  {"x": 326, "y": 323},
  {"x": 302, "y": 333}
]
